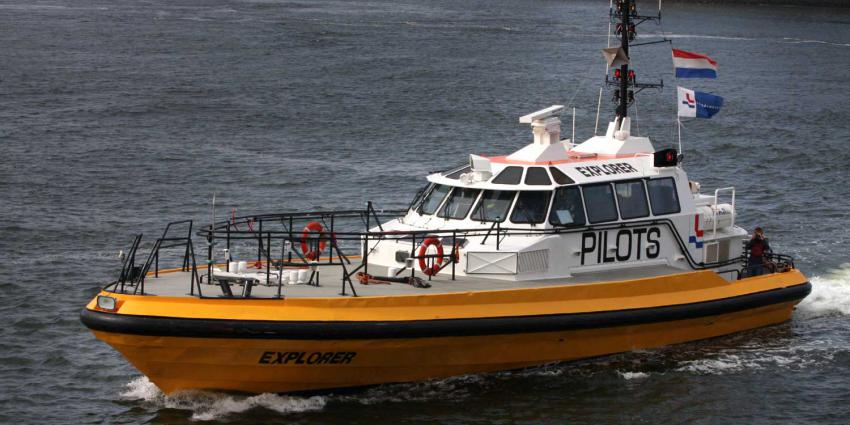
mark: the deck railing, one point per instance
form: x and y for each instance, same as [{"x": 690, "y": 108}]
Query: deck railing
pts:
[{"x": 332, "y": 238}]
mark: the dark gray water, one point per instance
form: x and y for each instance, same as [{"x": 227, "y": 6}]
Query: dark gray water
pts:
[{"x": 119, "y": 116}]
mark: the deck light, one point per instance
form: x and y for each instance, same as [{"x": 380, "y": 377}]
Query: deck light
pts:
[{"x": 106, "y": 303}]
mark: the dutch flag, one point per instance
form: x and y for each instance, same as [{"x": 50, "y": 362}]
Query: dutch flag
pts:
[{"x": 693, "y": 65}]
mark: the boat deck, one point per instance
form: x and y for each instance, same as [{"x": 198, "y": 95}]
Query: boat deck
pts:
[{"x": 177, "y": 283}]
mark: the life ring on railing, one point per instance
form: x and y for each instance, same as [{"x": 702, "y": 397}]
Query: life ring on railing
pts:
[
  {"x": 312, "y": 227},
  {"x": 423, "y": 250}
]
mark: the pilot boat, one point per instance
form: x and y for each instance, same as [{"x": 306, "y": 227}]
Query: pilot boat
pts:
[{"x": 558, "y": 251}]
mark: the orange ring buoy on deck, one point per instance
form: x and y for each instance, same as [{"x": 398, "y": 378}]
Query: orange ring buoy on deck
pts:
[
  {"x": 423, "y": 249},
  {"x": 312, "y": 227}
]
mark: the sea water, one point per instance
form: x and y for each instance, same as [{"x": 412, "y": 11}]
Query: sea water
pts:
[{"x": 117, "y": 117}]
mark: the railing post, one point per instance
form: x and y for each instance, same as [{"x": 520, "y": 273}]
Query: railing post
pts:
[
  {"x": 332, "y": 242},
  {"x": 454, "y": 246},
  {"x": 268, "y": 256},
  {"x": 260, "y": 242},
  {"x": 229, "y": 223},
  {"x": 498, "y": 231},
  {"x": 368, "y": 207},
  {"x": 366, "y": 252},
  {"x": 282, "y": 252},
  {"x": 413, "y": 255},
  {"x": 209, "y": 255},
  {"x": 156, "y": 265},
  {"x": 188, "y": 242},
  {"x": 291, "y": 241}
]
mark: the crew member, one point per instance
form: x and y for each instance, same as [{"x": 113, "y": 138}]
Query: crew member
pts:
[{"x": 758, "y": 246}]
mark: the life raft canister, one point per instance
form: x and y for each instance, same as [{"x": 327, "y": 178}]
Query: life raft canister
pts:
[{"x": 312, "y": 227}]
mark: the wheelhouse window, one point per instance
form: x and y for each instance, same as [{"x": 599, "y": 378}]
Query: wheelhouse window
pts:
[
  {"x": 662, "y": 196},
  {"x": 537, "y": 176},
  {"x": 531, "y": 207},
  {"x": 599, "y": 200},
  {"x": 560, "y": 177},
  {"x": 567, "y": 208},
  {"x": 510, "y": 175},
  {"x": 420, "y": 195},
  {"x": 493, "y": 206},
  {"x": 433, "y": 199},
  {"x": 459, "y": 203},
  {"x": 631, "y": 197}
]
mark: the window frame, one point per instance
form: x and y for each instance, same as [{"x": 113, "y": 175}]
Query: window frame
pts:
[
  {"x": 675, "y": 193},
  {"x": 645, "y": 198},
  {"x": 420, "y": 196},
  {"x": 545, "y": 173},
  {"x": 553, "y": 169},
  {"x": 440, "y": 205},
  {"x": 545, "y": 210},
  {"x": 445, "y": 203},
  {"x": 481, "y": 199},
  {"x": 552, "y": 205},
  {"x": 613, "y": 196},
  {"x": 518, "y": 182}
]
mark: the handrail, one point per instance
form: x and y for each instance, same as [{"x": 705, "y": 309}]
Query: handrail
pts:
[
  {"x": 153, "y": 257},
  {"x": 342, "y": 233},
  {"x": 478, "y": 231},
  {"x": 714, "y": 207}
]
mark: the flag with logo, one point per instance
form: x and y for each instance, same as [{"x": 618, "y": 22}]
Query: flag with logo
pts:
[
  {"x": 698, "y": 104},
  {"x": 693, "y": 65}
]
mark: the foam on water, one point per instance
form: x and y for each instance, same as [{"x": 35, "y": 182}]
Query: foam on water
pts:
[
  {"x": 212, "y": 405},
  {"x": 633, "y": 375},
  {"x": 805, "y": 41},
  {"x": 758, "y": 358},
  {"x": 830, "y": 294},
  {"x": 452, "y": 388}
]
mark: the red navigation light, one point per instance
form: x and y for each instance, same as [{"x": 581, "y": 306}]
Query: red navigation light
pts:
[
  {"x": 665, "y": 158},
  {"x": 617, "y": 74},
  {"x": 631, "y": 75}
]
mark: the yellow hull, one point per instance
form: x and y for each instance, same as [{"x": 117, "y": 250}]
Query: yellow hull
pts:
[{"x": 253, "y": 363}]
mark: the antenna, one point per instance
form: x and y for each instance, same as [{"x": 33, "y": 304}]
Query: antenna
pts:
[{"x": 573, "y": 139}]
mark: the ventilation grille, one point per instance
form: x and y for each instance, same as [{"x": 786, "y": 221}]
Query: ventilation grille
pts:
[{"x": 533, "y": 261}]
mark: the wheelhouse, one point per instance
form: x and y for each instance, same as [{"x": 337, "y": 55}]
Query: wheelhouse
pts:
[{"x": 541, "y": 200}]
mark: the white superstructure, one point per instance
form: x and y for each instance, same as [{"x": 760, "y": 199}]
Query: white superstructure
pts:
[{"x": 611, "y": 202}]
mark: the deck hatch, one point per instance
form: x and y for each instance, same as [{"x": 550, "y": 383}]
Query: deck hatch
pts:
[{"x": 491, "y": 263}]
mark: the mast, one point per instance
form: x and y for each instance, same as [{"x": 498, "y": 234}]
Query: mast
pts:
[
  {"x": 626, "y": 18},
  {"x": 625, "y": 8}
]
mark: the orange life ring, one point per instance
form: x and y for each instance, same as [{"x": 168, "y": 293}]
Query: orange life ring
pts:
[
  {"x": 423, "y": 249},
  {"x": 312, "y": 227}
]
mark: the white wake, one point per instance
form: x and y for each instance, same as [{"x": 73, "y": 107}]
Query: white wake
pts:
[
  {"x": 209, "y": 405},
  {"x": 830, "y": 294}
]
